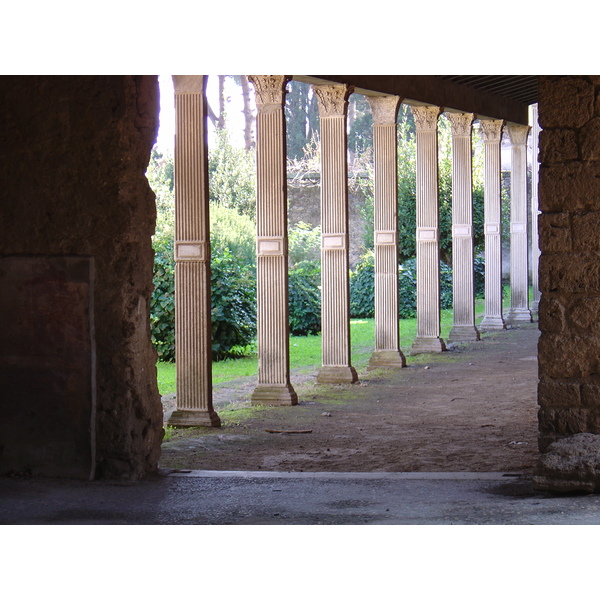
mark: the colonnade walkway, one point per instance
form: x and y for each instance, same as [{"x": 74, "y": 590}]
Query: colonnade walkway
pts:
[{"x": 470, "y": 409}]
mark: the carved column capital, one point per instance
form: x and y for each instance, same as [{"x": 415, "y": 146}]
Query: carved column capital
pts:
[
  {"x": 490, "y": 130},
  {"x": 426, "y": 117},
  {"x": 269, "y": 89},
  {"x": 518, "y": 134},
  {"x": 384, "y": 109},
  {"x": 333, "y": 99},
  {"x": 461, "y": 123}
]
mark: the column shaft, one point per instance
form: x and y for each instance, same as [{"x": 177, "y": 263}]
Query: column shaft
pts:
[
  {"x": 387, "y": 351},
  {"x": 491, "y": 133},
  {"x": 192, "y": 258},
  {"x": 519, "y": 271},
  {"x": 535, "y": 242},
  {"x": 274, "y": 385},
  {"x": 463, "y": 329},
  {"x": 335, "y": 288},
  {"x": 428, "y": 254}
]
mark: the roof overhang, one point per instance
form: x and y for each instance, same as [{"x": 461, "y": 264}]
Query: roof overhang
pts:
[{"x": 504, "y": 97}]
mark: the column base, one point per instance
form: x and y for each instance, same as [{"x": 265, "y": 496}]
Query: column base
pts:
[
  {"x": 337, "y": 375},
  {"x": 386, "y": 359},
  {"x": 518, "y": 315},
  {"x": 194, "y": 418},
  {"x": 535, "y": 309},
  {"x": 492, "y": 324},
  {"x": 425, "y": 345},
  {"x": 274, "y": 395},
  {"x": 463, "y": 333}
]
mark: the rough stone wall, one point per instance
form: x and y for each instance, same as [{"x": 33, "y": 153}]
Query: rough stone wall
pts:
[
  {"x": 569, "y": 229},
  {"x": 73, "y": 155}
]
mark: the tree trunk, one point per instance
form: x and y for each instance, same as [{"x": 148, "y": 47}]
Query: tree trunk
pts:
[
  {"x": 220, "y": 124},
  {"x": 248, "y": 116}
]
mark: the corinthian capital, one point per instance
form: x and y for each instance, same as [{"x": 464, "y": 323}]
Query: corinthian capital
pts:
[
  {"x": 269, "y": 89},
  {"x": 461, "y": 123},
  {"x": 426, "y": 117},
  {"x": 333, "y": 99},
  {"x": 518, "y": 134},
  {"x": 384, "y": 109},
  {"x": 490, "y": 130}
]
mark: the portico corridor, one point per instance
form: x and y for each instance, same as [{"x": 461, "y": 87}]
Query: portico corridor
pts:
[{"x": 471, "y": 409}]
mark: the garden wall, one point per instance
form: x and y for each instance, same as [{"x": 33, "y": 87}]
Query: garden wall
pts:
[{"x": 304, "y": 204}]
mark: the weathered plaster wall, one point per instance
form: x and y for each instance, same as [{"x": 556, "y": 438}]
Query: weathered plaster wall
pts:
[
  {"x": 73, "y": 156},
  {"x": 569, "y": 229}
]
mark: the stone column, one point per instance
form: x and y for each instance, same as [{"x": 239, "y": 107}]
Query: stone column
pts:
[
  {"x": 535, "y": 244},
  {"x": 274, "y": 385},
  {"x": 463, "y": 291},
  {"x": 428, "y": 232},
  {"x": 387, "y": 351},
  {"x": 491, "y": 134},
  {"x": 335, "y": 288},
  {"x": 519, "y": 271},
  {"x": 192, "y": 258}
]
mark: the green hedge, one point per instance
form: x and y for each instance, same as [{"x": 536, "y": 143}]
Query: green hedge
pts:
[
  {"x": 362, "y": 287},
  {"x": 162, "y": 301},
  {"x": 233, "y": 299},
  {"x": 305, "y": 298}
]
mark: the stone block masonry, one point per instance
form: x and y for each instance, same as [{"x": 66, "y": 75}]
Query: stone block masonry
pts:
[{"x": 569, "y": 233}]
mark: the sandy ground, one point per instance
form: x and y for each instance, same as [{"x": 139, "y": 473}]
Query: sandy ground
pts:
[{"x": 472, "y": 408}]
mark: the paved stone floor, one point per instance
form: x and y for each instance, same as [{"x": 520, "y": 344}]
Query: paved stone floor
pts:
[{"x": 257, "y": 498}]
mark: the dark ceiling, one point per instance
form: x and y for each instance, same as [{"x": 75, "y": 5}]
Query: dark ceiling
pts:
[
  {"x": 521, "y": 88},
  {"x": 489, "y": 96}
]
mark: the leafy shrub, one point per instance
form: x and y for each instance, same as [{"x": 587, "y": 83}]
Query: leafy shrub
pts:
[
  {"x": 362, "y": 288},
  {"x": 233, "y": 298},
  {"x": 446, "y": 296},
  {"x": 304, "y": 243},
  {"x": 232, "y": 175},
  {"x": 479, "y": 281},
  {"x": 233, "y": 234},
  {"x": 408, "y": 288},
  {"x": 305, "y": 298},
  {"x": 230, "y": 230},
  {"x": 407, "y": 283},
  {"x": 162, "y": 301}
]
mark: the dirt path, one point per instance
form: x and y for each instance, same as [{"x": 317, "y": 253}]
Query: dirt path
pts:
[{"x": 473, "y": 408}]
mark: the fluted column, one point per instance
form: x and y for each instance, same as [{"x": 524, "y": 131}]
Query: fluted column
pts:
[
  {"x": 274, "y": 385},
  {"x": 519, "y": 271},
  {"x": 491, "y": 134},
  {"x": 535, "y": 242},
  {"x": 387, "y": 351},
  {"x": 192, "y": 258},
  {"x": 463, "y": 291},
  {"x": 428, "y": 232},
  {"x": 335, "y": 288}
]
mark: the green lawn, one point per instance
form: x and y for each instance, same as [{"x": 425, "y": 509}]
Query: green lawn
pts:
[{"x": 305, "y": 351}]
